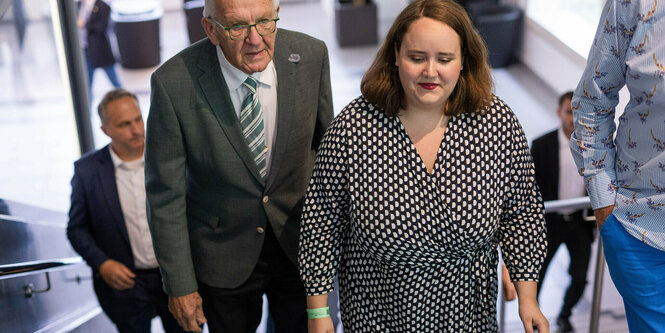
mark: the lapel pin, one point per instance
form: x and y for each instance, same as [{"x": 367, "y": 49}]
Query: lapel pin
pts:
[{"x": 294, "y": 58}]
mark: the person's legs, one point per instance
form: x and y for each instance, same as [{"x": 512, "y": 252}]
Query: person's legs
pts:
[
  {"x": 236, "y": 310},
  {"x": 91, "y": 70},
  {"x": 151, "y": 282},
  {"x": 232, "y": 310},
  {"x": 638, "y": 272},
  {"x": 287, "y": 302},
  {"x": 123, "y": 309},
  {"x": 168, "y": 321},
  {"x": 113, "y": 77},
  {"x": 579, "y": 247},
  {"x": 139, "y": 317},
  {"x": 285, "y": 291}
]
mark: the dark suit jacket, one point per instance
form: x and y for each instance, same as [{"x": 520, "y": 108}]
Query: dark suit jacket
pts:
[
  {"x": 99, "y": 47},
  {"x": 96, "y": 226},
  {"x": 207, "y": 200},
  {"x": 545, "y": 152}
]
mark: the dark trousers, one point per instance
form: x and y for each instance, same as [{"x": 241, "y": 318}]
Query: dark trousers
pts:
[
  {"x": 577, "y": 235},
  {"x": 239, "y": 310},
  {"x": 132, "y": 310}
]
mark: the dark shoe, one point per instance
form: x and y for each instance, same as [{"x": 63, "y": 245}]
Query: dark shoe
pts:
[{"x": 564, "y": 325}]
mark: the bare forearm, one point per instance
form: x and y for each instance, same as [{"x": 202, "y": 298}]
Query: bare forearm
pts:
[
  {"x": 602, "y": 214},
  {"x": 527, "y": 291},
  {"x": 532, "y": 317},
  {"x": 318, "y": 301}
]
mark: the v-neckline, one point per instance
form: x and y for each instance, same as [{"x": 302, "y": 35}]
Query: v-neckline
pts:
[{"x": 419, "y": 160}]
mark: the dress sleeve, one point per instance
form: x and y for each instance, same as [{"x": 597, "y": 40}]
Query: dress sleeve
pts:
[
  {"x": 595, "y": 100},
  {"x": 325, "y": 212},
  {"x": 522, "y": 227}
]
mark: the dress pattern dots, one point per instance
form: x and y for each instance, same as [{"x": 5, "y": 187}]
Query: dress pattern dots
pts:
[{"x": 416, "y": 251}]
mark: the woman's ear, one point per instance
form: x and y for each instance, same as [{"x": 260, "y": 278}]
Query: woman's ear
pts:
[{"x": 396, "y": 54}]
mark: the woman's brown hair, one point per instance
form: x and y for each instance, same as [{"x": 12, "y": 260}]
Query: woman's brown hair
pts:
[{"x": 473, "y": 93}]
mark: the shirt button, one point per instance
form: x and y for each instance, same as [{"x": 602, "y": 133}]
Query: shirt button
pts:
[
  {"x": 260, "y": 230},
  {"x": 265, "y": 199}
]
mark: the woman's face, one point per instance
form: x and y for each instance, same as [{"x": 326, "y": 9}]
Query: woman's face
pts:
[{"x": 429, "y": 62}]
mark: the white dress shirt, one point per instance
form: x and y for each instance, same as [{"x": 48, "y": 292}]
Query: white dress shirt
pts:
[
  {"x": 130, "y": 181},
  {"x": 267, "y": 90},
  {"x": 571, "y": 184}
]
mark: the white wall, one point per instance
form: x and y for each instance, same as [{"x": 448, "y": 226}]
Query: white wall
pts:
[{"x": 554, "y": 62}]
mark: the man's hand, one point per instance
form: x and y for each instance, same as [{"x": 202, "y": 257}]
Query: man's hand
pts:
[
  {"x": 116, "y": 275},
  {"x": 188, "y": 311},
  {"x": 602, "y": 214}
]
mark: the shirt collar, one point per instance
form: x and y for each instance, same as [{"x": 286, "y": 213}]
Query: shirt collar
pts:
[
  {"x": 235, "y": 77},
  {"x": 119, "y": 163},
  {"x": 563, "y": 141}
]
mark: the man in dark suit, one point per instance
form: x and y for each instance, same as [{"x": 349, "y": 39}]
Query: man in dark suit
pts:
[
  {"x": 108, "y": 223},
  {"x": 557, "y": 178},
  {"x": 232, "y": 134}
]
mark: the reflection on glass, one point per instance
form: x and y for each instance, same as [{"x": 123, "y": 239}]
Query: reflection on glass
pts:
[{"x": 38, "y": 142}]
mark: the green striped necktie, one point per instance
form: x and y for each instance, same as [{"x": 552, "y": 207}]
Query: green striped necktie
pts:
[{"x": 251, "y": 121}]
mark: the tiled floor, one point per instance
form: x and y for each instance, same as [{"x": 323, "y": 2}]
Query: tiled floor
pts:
[{"x": 35, "y": 121}]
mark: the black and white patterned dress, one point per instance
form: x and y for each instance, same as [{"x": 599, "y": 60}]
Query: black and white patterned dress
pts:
[{"x": 414, "y": 251}]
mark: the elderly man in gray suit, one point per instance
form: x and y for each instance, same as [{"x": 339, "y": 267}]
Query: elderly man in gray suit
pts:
[{"x": 234, "y": 124}]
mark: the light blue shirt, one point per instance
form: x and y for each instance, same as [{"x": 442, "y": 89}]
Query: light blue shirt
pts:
[{"x": 627, "y": 170}]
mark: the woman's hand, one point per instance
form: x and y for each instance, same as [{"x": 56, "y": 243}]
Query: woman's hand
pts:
[
  {"x": 527, "y": 298},
  {"x": 532, "y": 317},
  {"x": 320, "y": 325}
]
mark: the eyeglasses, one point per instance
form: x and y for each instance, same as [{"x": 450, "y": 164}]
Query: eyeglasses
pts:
[{"x": 241, "y": 31}]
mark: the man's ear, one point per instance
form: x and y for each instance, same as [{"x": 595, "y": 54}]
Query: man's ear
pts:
[{"x": 209, "y": 28}]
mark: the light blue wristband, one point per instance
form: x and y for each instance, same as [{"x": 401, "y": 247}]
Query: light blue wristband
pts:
[{"x": 318, "y": 313}]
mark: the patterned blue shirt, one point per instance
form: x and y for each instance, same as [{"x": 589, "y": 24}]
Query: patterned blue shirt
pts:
[{"x": 627, "y": 170}]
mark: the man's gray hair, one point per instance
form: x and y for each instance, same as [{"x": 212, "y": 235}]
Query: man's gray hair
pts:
[
  {"x": 209, "y": 7},
  {"x": 111, "y": 96}
]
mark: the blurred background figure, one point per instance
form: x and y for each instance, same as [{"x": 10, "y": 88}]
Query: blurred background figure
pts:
[
  {"x": 557, "y": 178},
  {"x": 93, "y": 21},
  {"x": 108, "y": 224}
]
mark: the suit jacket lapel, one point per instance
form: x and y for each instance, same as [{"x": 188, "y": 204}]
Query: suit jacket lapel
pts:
[
  {"x": 555, "y": 163},
  {"x": 110, "y": 190},
  {"x": 217, "y": 93},
  {"x": 286, "y": 105}
]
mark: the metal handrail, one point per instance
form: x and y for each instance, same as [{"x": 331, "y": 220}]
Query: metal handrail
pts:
[
  {"x": 555, "y": 206},
  {"x": 33, "y": 267}
]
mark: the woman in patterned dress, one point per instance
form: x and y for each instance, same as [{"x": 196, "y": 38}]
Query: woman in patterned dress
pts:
[{"x": 416, "y": 183}]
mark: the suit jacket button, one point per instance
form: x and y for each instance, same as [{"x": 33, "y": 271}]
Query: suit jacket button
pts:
[
  {"x": 265, "y": 199},
  {"x": 260, "y": 230}
]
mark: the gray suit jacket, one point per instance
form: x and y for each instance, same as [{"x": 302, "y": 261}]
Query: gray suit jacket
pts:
[{"x": 206, "y": 198}]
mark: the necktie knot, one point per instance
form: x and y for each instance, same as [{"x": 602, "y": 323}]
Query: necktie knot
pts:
[{"x": 250, "y": 83}]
